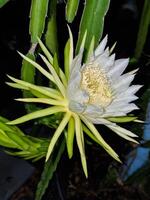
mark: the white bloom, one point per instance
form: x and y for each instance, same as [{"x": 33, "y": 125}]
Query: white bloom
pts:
[
  {"x": 93, "y": 93},
  {"x": 98, "y": 90}
]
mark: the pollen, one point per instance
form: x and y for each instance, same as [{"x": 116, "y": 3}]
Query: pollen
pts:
[{"x": 95, "y": 82}]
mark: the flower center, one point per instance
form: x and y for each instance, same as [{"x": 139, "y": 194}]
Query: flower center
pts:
[{"x": 95, "y": 82}]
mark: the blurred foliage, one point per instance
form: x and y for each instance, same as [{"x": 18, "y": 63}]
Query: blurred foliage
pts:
[
  {"x": 3, "y": 2},
  {"x": 23, "y": 145},
  {"x": 143, "y": 29}
]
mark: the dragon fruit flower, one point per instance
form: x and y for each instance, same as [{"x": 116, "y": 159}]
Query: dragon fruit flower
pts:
[{"x": 95, "y": 92}]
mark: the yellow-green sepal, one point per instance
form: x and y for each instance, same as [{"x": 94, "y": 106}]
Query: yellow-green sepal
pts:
[{"x": 70, "y": 137}]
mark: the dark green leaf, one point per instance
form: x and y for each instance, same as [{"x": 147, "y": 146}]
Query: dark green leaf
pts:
[
  {"x": 51, "y": 30},
  {"x": 143, "y": 29},
  {"x": 93, "y": 22},
  {"x": 71, "y": 9},
  {"x": 28, "y": 75},
  {"x": 37, "y": 18},
  {"x": 47, "y": 174},
  {"x": 3, "y": 2}
]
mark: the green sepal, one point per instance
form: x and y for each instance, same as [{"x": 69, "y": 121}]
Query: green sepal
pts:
[
  {"x": 68, "y": 54},
  {"x": 70, "y": 137},
  {"x": 122, "y": 119}
]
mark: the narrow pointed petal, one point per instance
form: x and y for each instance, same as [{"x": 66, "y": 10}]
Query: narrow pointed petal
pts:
[
  {"x": 121, "y": 134},
  {"x": 109, "y": 150},
  {"x": 80, "y": 142},
  {"x": 101, "y": 47},
  {"x": 55, "y": 76},
  {"x": 41, "y": 100},
  {"x": 70, "y": 136},
  {"x": 123, "y": 82},
  {"x": 37, "y": 66},
  {"x": 118, "y": 128},
  {"x": 118, "y": 68},
  {"x": 50, "y": 93},
  {"x": 76, "y": 106},
  {"x": 57, "y": 134},
  {"x": 37, "y": 114}
]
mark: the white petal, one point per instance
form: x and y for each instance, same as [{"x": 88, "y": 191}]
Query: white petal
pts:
[
  {"x": 132, "y": 89},
  {"x": 114, "y": 114},
  {"x": 79, "y": 95},
  {"x": 123, "y": 130},
  {"x": 121, "y": 134},
  {"x": 110, "y": 61},
  {"x": 118, "y": 128},
  {"x": 129, "y": 108},
  {"x": 102, "y": 59},
  {"x": 100, "y": 49},
  {"x": 125, "y": 98},
  {"x": 118, "y": 68},
  {"x": 76, "y": 63},
  {"x": 73, "y": 85},
  {"x": 123, "y": 83},
  {"x": 125, "y": 108},
  {"x": 76, "y": 107},
  {"x": 93, "y": 111}
]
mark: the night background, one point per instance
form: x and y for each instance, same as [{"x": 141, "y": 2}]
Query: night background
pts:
[{"x": 108, "y": 180}]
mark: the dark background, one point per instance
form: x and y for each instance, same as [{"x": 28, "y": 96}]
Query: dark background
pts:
[{"x": 121, "y": 25}]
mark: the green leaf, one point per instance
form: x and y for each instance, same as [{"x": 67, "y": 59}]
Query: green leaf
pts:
[
  {"x": 71, "y": 9},
  {"x": 3, "y": 2},
  {"x": 47, "y": 174},
  {"x": 5, "y": 141},
  {"x": 92, "y": 21},
  {"x": 51, "y": 29},
  {"x": 6, "y": 127},
  {"x": 37, "y": 18},
  {"x": 143, "y": 29},
  {"x": 18, "y": 140}
]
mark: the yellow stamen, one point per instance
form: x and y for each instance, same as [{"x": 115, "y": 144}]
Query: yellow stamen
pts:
[{"x": 96, "y": 83}]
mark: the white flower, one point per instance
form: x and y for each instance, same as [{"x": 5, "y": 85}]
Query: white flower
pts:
[
  {"x": 98, "y": 90},
  {"x": 92, "y": 93}
]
